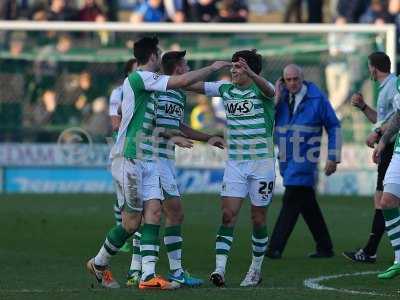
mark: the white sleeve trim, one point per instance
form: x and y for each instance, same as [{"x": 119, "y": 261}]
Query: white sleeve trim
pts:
[
  {"x": 153, "y": 81},
  {"x": 212, "y": 88}
]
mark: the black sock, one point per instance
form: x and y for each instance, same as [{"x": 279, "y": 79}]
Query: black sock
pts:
[{"x": 377, "y": 230}]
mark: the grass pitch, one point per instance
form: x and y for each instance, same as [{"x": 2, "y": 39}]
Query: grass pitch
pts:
[{"x": 46, "y": 239}]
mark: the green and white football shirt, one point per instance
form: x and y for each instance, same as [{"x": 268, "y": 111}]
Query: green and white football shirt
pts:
[
  {"x": 250, "y": 120},
  {"x": 396, "y": 105},
  {"x": 170, "y": 113},
  {"x": 135, "y": 140}
]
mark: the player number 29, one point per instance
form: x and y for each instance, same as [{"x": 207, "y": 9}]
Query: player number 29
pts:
[{"x": 264, "y": 185}]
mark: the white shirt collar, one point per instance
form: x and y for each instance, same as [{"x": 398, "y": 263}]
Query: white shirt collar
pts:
[{"x": 299, "y": 96}]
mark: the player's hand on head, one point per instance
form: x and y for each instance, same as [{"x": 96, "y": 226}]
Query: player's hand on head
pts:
[
  {"x": 218, "y": 65},
  {"x": 357, "y": 100},
  {"x": 242, "y": 64}
]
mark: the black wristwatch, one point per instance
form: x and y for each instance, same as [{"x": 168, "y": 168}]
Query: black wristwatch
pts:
[{"x": 378, "y": 130}]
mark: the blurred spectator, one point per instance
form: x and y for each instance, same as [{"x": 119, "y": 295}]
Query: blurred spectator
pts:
[
  {"x": 351, "y": 11},
  {"x": 64, "y": 43},
  {"x": 86, "y": 93},
  {"x": 150, "y": 11},
  {"x": 97, "y": 124},
  {"x": 59, "y": 11},
  {"x": 175, "y": 10},
  {"x": 394, "y": 9},
  {"x": 9, "y": 10},
  {"x": 233, "y": 11},
  {"x": 17, "y": 42},
  {"x": 201, "y": 116},
  {"x": 40, "y": 113},
  {"x": 314, "y": 8},
  {"x": 293, "y": 9},
  {"x": 377, "y": 13},
  {"x": 204, "y": 10},
  {"x": 91, "y": 12}
]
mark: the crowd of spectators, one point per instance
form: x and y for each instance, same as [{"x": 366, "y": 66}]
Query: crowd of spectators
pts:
[
  {"x": 311, "y": 11},
  {"x": 136, "y": 11},
  {"x": 54, "y": 96}
]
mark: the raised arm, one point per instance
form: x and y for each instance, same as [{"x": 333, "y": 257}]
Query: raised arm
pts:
[
  {"x": 357, "y": 100},
  {"x": 189, "y": 78},
  {"x": 264, "y": 85}
]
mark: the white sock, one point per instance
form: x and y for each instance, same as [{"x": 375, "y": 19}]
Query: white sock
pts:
[
  {"x": 220, "y": 262},
  {"x": 148, "y": 266},
  {"x": 397, "y": 256},
  {"x": 136, "y": 262},
  {"x": 102, "y": 258},
  {"x": 256, "y": 262}
]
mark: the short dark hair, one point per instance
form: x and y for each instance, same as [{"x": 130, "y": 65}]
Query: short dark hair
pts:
[
  {"x": 144, "y": 48},
  {"x": 129, "y": 65},
  {"x": 170, "y": 59},
  {"x": 380, "y": 60},
  {"x": 253, "y": 59}
]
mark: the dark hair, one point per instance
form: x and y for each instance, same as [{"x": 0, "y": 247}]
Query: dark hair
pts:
[
  {"x": 170, "y": 59},
  {"x": 253, "y": 59},
  {"x": 129, "y": 65},
  {"x": 144, "y": 48},
  {"x": 380, "y": 60}
]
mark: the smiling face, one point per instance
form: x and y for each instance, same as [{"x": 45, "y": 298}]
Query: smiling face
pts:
[{"x": 239, "y": 76}]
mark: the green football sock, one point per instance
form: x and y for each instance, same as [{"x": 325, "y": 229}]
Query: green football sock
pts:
[
  {"x": 149, "y": 248},
  {"x": 223, "y": 245},
  {"x": 173, "y": 242}
]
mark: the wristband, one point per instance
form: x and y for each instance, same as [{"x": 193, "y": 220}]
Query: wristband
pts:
[
  {"x": 364, "y": 107},
  {"x": 378, "y": 131}
]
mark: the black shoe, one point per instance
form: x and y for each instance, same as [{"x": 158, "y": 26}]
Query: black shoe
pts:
[
  {"x": 273, "y": 254},
  {"x": 321, "y": 254},
  {"x": 360, "y": 256},
  {"x": 217, "y": 279}
]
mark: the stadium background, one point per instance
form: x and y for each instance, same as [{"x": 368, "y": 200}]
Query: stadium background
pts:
[{"x": 54, "y": 89}]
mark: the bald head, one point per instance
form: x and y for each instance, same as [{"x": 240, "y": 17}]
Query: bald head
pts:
[{"x": 293, "y": 77}]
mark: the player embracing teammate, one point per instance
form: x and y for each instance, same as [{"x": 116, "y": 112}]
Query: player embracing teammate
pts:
[
  {"x": 134, "y": 168},
  {"x": 138, "y": 158}
]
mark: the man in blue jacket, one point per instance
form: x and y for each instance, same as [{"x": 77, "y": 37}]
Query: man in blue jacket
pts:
[{"x": 302, "y": 111}]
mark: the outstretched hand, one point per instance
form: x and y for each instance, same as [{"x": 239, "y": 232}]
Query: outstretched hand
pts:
[
  {"x": 182, "y": 142},
  {"x": 217, "y": 141},
  {"x": 218, "y": 65}
]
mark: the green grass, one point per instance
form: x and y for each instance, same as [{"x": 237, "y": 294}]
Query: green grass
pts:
[{"x": 45, "y": 240}]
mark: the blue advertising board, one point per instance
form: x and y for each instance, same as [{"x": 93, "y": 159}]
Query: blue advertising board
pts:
[{"x": 97, "y": 180}]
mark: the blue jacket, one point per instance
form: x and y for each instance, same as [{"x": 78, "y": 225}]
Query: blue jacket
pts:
[{"x": 298, "y": 138}]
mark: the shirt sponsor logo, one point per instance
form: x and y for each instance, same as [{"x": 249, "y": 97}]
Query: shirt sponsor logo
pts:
[
  {"x": 239, "y": 108},
  {"x": 173, "y": 110}
]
